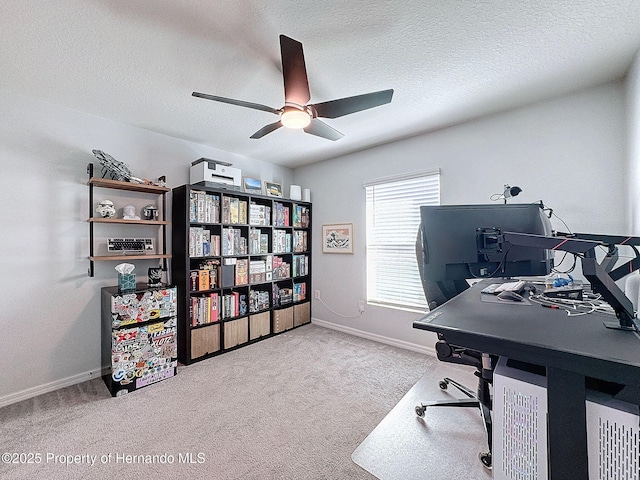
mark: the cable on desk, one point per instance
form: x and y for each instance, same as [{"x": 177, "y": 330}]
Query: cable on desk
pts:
[{"x": 594, "y": 303}]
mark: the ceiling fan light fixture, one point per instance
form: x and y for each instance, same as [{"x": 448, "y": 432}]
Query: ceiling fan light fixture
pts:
[
  {"x": 297, "y": 112},
  {"x": 294, "y": 118}
]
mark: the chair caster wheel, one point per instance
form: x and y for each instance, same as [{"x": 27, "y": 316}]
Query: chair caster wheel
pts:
[
  {"x": 485, "y": 459},
  {"x": 420, "y": 409},
  {"x": 443, "y": 384}
]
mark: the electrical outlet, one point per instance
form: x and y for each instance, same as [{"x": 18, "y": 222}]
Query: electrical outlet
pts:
[
  {"x": 361, "y": 306},
  {"x": 316, "y": 295}
]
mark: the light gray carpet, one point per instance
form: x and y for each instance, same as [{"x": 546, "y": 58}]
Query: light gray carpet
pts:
[{"x": 294, "y": 406}]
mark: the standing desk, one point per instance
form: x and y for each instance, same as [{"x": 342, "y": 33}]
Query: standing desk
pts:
[{"x": 571, "y": 349}]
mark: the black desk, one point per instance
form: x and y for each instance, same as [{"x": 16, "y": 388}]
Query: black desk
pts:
[{"x": 571, "y": 349}]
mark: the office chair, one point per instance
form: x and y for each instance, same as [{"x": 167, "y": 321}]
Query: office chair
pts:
[{"x": 437, "y": 293}]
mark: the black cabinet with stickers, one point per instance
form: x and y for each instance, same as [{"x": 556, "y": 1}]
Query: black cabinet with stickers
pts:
[{"x": 139, "y": 341}]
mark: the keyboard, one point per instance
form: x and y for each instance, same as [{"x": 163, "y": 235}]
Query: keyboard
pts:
[
  {"x": 496, "y": 288},
  {"x": 129, "y": 246}
]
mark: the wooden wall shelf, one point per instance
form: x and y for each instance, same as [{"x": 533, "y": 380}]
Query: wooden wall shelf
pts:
[{"x": 156, "y": 191}]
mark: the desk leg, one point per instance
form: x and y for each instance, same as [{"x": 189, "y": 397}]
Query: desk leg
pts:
[{"x": 567, "y": 425}]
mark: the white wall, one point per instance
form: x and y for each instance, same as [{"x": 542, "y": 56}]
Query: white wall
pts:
[
  {"x": 50, "y": 308},
  {"x": 633, "y": 129},
  {"x": 569, "y": 152}
]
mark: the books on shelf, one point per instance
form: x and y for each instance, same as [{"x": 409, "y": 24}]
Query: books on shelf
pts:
[
  {"x": 204, "y": 207},
  {"x": 300, "y": 265},
  {"x": 300, "y": 216},
  {"x": 259, "y": 215},
  {"x": 282, "y": 296},
  {"x": 258, "y": 241},
  {"x": 280, "y": 215},
  {"x": 300, "y": 241},
  {"x": 281, "y": 241},
  {"x": 281, "y": 268},
  {"x": 258, "y": 300},
  {"x": 205, "y": 309},
  {"x": 234, "y": 304},
  {"x": 242, "y": 211},
  {"x": 202, "y": 243},
  {"x": 258, "y": 270},
  {"x": 234, "y": 210},
  {"x": 233, "y": 243},
  {"x": 299, "y": 292}
]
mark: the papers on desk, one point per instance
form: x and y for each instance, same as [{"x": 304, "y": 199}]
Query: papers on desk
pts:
[{"x": 496, "y": 288}]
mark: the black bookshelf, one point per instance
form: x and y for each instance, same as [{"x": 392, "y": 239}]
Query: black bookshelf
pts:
[{"x": 242, "y": 267}]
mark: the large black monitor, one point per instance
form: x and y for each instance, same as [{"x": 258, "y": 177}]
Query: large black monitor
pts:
[{"x": 448, "y": 246}]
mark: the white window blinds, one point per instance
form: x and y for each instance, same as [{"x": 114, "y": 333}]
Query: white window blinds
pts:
[{"x": 393, "y": 218}]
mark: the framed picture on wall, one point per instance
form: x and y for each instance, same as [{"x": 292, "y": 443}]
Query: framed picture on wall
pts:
[
  {"x": 252, "y": 185},
  {"x": 337, "y": 238},
  {"x": 273, "y": 189}
]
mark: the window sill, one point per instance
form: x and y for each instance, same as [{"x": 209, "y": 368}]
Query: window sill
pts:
[{"x": 403, "y": 308}]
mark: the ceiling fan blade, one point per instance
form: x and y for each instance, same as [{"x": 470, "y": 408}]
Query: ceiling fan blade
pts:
[
  {"x": 240, "y": 103},
  {"x": 267, "y": 129},
  {"x": 345, "y": 106},
  {"x": 321, "y": 129},
  {"x": 294, "y": 72}
]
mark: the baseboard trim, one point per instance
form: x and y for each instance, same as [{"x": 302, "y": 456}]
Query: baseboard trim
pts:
[
  {"x": 50, "y": 387},
  {"x": 375, "y": 337},
  {"x": 83, "y": 377}
]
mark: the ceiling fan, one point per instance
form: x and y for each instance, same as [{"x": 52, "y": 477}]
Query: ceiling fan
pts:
[{"x": 297, "y": 112}]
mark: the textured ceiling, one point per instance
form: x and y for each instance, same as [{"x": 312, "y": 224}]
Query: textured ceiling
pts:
[{"x": 137, "y": 62}]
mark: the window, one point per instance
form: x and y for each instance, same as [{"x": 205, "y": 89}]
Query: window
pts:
[{"x": 393, "y": 219}]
